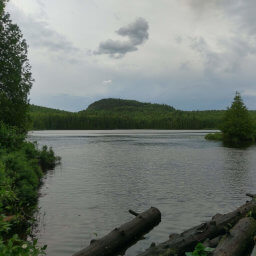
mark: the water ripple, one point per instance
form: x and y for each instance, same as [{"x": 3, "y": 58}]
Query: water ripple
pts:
[{"x": 105, "y": 173}]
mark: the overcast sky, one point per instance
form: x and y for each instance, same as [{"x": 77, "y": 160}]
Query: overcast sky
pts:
[{"x": 191, "y": 54}]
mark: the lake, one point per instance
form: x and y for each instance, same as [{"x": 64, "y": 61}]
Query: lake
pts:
[{"x": 105, "y": 173}]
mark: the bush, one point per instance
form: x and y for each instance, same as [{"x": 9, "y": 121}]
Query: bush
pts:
[
  {"x": 21, "y": 168},
  {"x": 200, "y": 250},
  {"x": 214, "y": 136},
  {"x": 47, "y": 158},
  {"x": 18, "y": 247},
  {"x": 25, "y": 168},
  {"x": 7, "y": 195},
  {"x": 10, "y": 139}
]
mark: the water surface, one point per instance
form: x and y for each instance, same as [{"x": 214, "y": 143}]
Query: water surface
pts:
[{"x": 106, "y": 173}]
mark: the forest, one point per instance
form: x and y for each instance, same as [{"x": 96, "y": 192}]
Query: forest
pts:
[{"x": 125, "y": 114}]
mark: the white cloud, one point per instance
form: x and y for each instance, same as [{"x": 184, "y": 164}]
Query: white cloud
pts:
[{"x": 107, "y": 82}]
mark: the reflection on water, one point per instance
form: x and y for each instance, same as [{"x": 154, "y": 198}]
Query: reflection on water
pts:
[
  {"x": 105, "y": 173},
  {"x": 237, "y": 170}
]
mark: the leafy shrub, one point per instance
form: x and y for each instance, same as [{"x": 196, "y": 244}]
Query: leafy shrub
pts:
[
  {"x": 200, "y": 250},
  {"x": 18, "y": 247},
  {"x": 25, "y": 174},
  {"x": 21, "y": 168},
  {"x": 20, "y": 177},
  {"x": 47, "y": 158},
  {"x": 10, "y": 139},
  {"x": 214, "y": 136},
  {"x": 30, "y": 149}
]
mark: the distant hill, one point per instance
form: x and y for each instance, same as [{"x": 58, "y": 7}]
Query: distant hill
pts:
[
  {"x": 39, "y": 109},
  {"x": 121, "y": 105},
  {"x": 125, "y": 114}
]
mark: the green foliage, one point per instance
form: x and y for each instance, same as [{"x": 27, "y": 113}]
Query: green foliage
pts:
[
  {"x": 47, "y": 158},
  {"x": 18, "y": 247},
  {"x": 214, "y": 136},
  {"x": 15, "y": 75},
  {"x": 124, "y": 114},
  {"x": 8, "y": 197},
  {"x": 39, "y": 109},
  {"x": 9, "y": 138},
  {"x": 21, "y": 168},
  {"x": 2, "y": 6},
  {"x": 112, "y": 104},
  {"x": 200, "y": 250},
  {"x": 252, "y": 213},
  {"x": 25, "y": 166},
  {"x": 237, "y": 125},
  {"x": 12, "y": 246}
]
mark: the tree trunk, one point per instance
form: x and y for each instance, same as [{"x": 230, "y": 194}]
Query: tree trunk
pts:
[
  {"x": 186, "y": 241},
  {"x": 239, "y": 240},
  {"x": 123, "y": 237}
]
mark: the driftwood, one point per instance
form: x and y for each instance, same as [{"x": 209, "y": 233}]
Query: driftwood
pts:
[
  {"x": 121, "y": 238},
  {"x": 238, "y": 240},
  {"x": 213, "y": 242},
  {"x": 186, "y": 241}
]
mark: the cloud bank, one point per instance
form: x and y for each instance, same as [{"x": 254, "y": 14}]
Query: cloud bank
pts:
[
  {"x": 40, "y": 35},
  {"x": 137, "y": 33},
  {"x": 199, "y": 53}
]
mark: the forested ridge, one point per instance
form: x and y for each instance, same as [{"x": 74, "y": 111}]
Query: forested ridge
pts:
[{"x": 125, "y": 114}]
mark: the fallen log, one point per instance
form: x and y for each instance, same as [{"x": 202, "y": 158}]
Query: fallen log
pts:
[
  {"x": 239, "y": 240},
  {"x": 186, "y": 241},
  {"x": 123, "y": 237},
  {"x": 213, "y": 242}
]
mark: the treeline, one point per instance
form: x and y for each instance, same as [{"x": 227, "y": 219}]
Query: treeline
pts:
[
  {"x": 124, "y": 114},
  {"x": 91, "y": 121}
]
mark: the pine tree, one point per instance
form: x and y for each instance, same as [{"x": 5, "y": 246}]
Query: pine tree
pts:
[
  {"x": 15, "y": 73},
  {"x": 237, "y": 125}
]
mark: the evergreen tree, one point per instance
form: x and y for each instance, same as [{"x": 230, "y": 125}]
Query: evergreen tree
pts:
[
  {"x": 237, "y": 125},
  {"x": 2, "y": 5},
  {"x": 15, "y": 73}
]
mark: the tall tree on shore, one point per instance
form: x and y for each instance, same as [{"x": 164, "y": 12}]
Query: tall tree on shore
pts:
[
  {"x": 237, "y": 126},
  {"x": 15, "y": 73},
  {"x": 2, "y": 5}
]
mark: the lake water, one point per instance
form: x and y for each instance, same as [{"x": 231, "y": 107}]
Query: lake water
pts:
[{"x": 105, "y": 173}]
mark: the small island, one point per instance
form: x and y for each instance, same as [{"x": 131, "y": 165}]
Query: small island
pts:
[{"x": 237, "y": 127}]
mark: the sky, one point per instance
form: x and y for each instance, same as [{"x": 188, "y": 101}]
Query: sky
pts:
[{"x": 190, "y": 54}]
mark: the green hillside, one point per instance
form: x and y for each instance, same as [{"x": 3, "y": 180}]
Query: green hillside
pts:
[
  {"x": 39, "y": 109},
  {"x": 125, "y": 114},
  {"x": 120, "y": 105}
]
